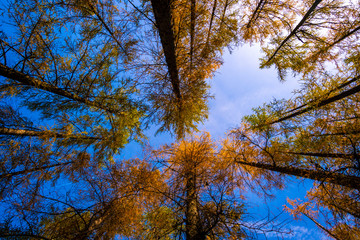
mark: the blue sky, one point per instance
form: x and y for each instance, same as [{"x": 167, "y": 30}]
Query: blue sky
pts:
[{"x": 240, "y": 85}]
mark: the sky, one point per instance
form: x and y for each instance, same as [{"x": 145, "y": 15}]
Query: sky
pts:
[{"x": 240, "y": 85}]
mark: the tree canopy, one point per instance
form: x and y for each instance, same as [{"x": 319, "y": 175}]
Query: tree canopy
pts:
[{"x": 81, "y": 79}]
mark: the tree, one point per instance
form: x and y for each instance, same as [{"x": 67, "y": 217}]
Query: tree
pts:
[
  {"x": 180, "y": 99},
  {"x": 61, "y": 63},
  {"x": 34, "y": 157},
  {"x": 262, "y": 19},
  {"x": 314, "y": 134},
  {"x": 58, "y": 73},
  {"x": 326, "y": 34},
  {"x": 101, "y": 203},
  {"x": 319, "y": 144},
  {"x": 100, "y": 72},
  {"x": 31, "y": 155},
  {"x": 200, "y": 190},
  {"x": 58, "y": 62},
  {"x": 203, "y": 196}
]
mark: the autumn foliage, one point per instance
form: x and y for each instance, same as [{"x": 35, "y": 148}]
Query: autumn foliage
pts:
[{"x": 81, "y": 79}]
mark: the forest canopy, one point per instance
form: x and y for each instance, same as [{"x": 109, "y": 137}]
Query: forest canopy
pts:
[{"x": 81, "y": 79}]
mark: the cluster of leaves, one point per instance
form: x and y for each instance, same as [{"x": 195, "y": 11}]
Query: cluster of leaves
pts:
[
  {"x": 313, "y": 135},
  {"x": 90, "y": 76},
  {"x": 322, "y": 145},
  {"x": 193, "y": 35},
  {"x": 202, "y": 190},
  {"x": 94, "y": 74}
]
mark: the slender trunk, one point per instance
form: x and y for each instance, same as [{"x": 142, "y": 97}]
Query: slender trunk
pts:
[
  {"x": 314, "y": 56},
  {"x": 36, "y": 169},
  {"x": 192, "y": 31},
  {"x": 223, "y": 14},
  {"x": 321, "y": 226},
  {"x": 325, "y": 155},
  {"x": 25, "y": 79},
  {"x": 352, "y": 132},
  {"x": 256, "y": 13},
  {"x": 352, "y": 182},
  {"x": 344, "y": 36},
  {"x": 106, "y": 26},
  {"x": 191, "y": 214},
  {"x": 205, "y": 51},
  {"x": 18, "y": 235},
  {"x": 163, "y": 19},
  {"x": 193, "y": 227},
  {"x": 322, "y": 103},
  {"x": 333, "y": 90},
  {"x": 293, "y": 32},
  {"x": 33, "y": 133}
]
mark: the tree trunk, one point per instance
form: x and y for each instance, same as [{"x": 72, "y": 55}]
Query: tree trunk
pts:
[
  {"x": 32, "y": 133},
  {"x": 35, "y": 169},
  {"x": 351, "y": 132},
  {"x": 205, "y": 51},
  {"x": 25, "y": 79},
  {"x": 163, "y": 19},
  {"x": 293, "y": 32},
  {"x": 192, "y": 32},
  {"x": 321, "y": 226},
  {"x": 191, "y": 208},
  {"x": 325, "y": 155},
  {"x": 331, "y": 91},
  {"x": 352, "y": 182},
  {"x": 256, "y": 13},
  {"x": 192, "y": 220},
  {"x": 332, "y": 99}
]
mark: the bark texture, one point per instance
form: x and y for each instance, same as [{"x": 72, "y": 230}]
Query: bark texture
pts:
[
  {"x": 27, "y": 80},
  {"x": 33, "y": 133},
  {"x": 352, "y": 182},
  {"x": 163, "y": 19},
  {"x": 293, "y": 32}
]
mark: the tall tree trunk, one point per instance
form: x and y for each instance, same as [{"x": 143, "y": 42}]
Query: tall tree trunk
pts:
[
  {"x": 256, "y": 13},
  {"x": 163, "y": 19},
  {"x": 192, "y": 220},
  {"x": 322, "y": 103},
  {"x": 33, "y": 133},
  {"x": 351, "y": 132},
  {"x": 205, "y": 51},
  {"x": 25, "y": 79},
  {"x": 341, "y": 38},
  {"x": 108, "y": 29},
  {"x": 223, "y": 14},
  {"x": 321, "y": 226},
  {"x": 325, "y": 155},
  {"x": 191, "y": 214},
  {"x": 293, "y": 32},
  {"x": 352, "y": 182},
  {"x": 192, "y": 31},
  {"x": 332, "y": 90},
  {"x": 35, "y": 169}
]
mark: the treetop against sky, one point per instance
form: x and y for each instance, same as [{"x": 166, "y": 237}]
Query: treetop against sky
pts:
[{"x": 82, "y": 81}]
